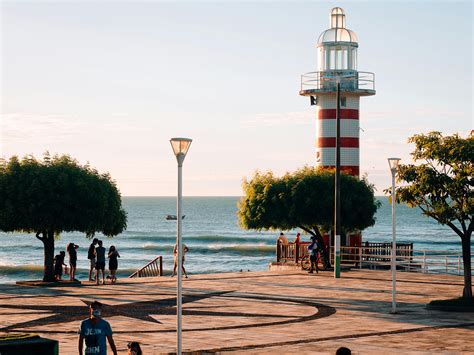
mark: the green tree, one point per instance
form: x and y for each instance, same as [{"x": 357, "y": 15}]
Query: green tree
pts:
[
  {"x": 57, "y": 195},
  {"x": 305, "y": 199},
  {"x": 442, "y": 186}
]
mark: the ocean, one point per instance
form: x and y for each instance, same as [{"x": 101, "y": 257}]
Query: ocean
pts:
[{"x": 210, "y": 230}]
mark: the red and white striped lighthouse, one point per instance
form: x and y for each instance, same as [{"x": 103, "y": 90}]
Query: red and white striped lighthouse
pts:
[{"x": 337, "y": 49}]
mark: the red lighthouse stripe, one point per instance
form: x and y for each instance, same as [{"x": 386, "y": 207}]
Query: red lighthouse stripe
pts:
[
  {"x": 330, "y": 142},
  {"x": 349, "y": 169},
  {"x": 346, "y": 113}
]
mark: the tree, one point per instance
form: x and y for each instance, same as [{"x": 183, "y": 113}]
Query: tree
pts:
[
  {"x": 305, "y": 199},
  {"x": 57, "y": 195},
  {"x": 443, "y": 187}
]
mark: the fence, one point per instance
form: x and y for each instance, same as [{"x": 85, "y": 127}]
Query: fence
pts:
[{"x": 378, "y": 256}]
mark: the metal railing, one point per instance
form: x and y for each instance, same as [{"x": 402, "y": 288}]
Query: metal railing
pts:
[
  {"x": 378, "y": 256},
  {"x": 321, "y": 80},
  {"x": 152, "y": 269},
  {"x": 425, "y": 261},
  {"x": 291, "y": 252}
]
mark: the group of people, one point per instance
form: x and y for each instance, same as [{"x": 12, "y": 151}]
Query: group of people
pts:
[
  {"x": 97, "y": 258},
  {"x": 314, "y": 248}
]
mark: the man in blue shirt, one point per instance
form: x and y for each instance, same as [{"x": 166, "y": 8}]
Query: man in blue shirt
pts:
[{"x": 94, "y": 331}]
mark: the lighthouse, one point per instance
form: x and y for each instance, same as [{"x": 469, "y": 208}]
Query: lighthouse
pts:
[{"x": 337, "y": 64}]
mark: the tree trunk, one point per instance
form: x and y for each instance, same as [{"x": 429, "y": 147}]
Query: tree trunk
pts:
[
  {"x": 466, "y": 258},
  {"x": 48, "y": 243}
]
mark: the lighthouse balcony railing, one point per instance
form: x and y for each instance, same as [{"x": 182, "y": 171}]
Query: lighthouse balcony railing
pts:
[{"x": 350, "y": 80}]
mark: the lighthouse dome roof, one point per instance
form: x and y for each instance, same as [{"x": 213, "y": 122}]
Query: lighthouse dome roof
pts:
[
  {"x": 337, "y": 35},
  {"x": 338, "y": 31}
]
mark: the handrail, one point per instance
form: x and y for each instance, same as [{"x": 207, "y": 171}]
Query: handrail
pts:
[
  {"x": 152, "y": 269},
  {"x": 320, "y": 80},
  {"x": 376, "y": 255}
]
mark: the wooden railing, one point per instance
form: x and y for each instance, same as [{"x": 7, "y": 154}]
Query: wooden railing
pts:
[{"x": 152, "y": 269}]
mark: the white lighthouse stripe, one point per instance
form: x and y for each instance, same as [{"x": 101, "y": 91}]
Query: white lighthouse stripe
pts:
[
  {"x": 329, "y": 101},
  {"x": 349, "y": 128},
  {"x": 349, "y": 156}
]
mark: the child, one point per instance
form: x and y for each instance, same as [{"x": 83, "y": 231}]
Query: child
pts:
[{"x": 58, "y": 265}]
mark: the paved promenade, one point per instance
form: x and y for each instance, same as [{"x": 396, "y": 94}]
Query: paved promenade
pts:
[{"x": 254, "y": 312}]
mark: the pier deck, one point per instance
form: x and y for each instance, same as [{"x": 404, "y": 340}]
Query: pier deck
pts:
[{"x": 254, "y": 312}]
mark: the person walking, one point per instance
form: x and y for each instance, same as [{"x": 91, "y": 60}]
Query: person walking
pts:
[
  {"x": 71, "y": 249},
  {"x": 92, "y": 259},
  {"x": 113, "y": 263},
  {"x": 100, "y": 263},
  {"x": 175, "y": 257},
  {"x": 94, "y": 331}
]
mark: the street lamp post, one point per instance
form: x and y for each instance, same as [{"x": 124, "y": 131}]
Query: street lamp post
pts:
[
  {"x": 337, "y": 179},
  {"x": 180, "y": 148},
  {"x": 337, "y": 188},
  {"x": 393, "y": 163}
]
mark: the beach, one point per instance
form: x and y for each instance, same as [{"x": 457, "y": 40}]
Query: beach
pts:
[
  {"x": 254, "y": 312},
  {"x": 210, "y": 229}
]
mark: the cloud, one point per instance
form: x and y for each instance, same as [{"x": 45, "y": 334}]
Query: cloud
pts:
[
  {"x": 411, "y": 113},
  {"x": 278, "y": 119},
  {"x": 24, "y": 126}
]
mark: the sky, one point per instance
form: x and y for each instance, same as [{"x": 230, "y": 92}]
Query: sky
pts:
[{"x": 111, "y": 82}]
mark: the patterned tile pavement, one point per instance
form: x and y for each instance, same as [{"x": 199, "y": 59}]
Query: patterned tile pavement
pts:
[{"x": 254, "y": 312}]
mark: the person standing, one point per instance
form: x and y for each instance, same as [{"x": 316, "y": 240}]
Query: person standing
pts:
[
  {"x": 313, "y": 250},
  {"x": 91, "y": 257},
  {"x": 58, "y": 265},
  {"x": 100, "y": 263},
  {"x": 93, "y": 331},
  {"x": 175, "y": 257},
  {"x": 71, "y": 249},
  {"x": 113, "y": 263},
  {"x": 297, "y": 239}
]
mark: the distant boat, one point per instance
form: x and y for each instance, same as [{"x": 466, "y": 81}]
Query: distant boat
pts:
[{"x": 172, "y": 217}]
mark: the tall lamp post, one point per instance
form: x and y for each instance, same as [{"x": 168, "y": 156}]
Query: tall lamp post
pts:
[
  {"x": 337, "y": 186},
  {"x": 180, "y": 148},
  {"x": 337, "y": 181},
  {"x": 393, "y": 163}
]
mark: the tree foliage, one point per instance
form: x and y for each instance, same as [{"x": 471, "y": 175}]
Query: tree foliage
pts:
[
  {"x": 305, "y": 199},
  {"x": 442, "y": 186},
  {"x": 57, "y": 195}
]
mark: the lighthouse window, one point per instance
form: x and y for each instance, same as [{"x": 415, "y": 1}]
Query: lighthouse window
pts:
[
  {"x": 322, "y": 54},
  {"x": 343, "y": 101},
  {"x": 339, "y": 59},
  {"x": 344, "y": 59},
  {"x": 354, "y": 58},
  {"x": 332, "y": 59}
]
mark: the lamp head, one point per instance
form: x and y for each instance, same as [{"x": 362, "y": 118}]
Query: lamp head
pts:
[
  {"x": 180, "y": 147},
  {"x": 393, "y": 164}
]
